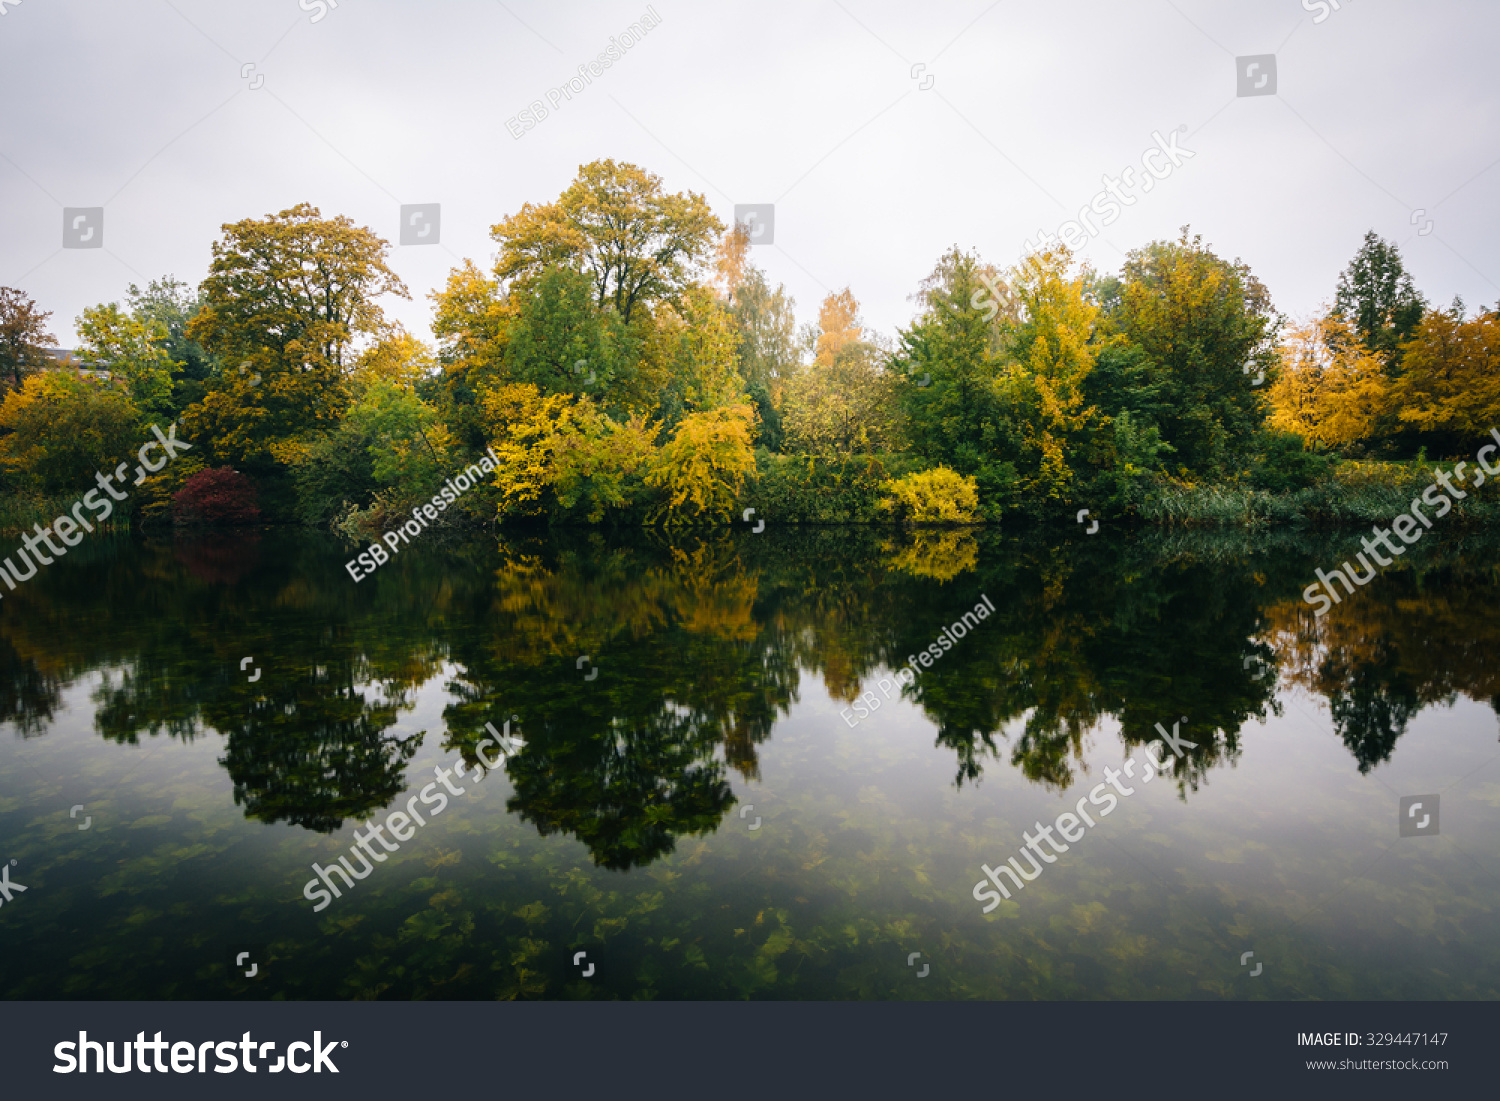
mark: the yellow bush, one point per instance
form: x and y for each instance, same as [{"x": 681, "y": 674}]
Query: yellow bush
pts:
[
  {"x": 936, "y": 496},
  {"x": 560, "y": 448},
  {"x": 703, "y": 467}
]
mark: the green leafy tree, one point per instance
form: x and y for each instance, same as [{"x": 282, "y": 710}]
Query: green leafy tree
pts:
[
  {"x": 1207, "y": 329},
  {"x": 169, "y": 305},
  {"x": 768, "y": 349},
  {"x": 131, "y": 350},
  {"x": 60, "y": 429},
  {"x": 948, "y": 363},
  {"x": 769, "y": 352},
  {"x": 288, "y": 301},
  {"x": 471, "y": 321},
  {"x": 390, "y": 440},
  {"x": 557, "y": 340},
  {"x": 408, "y": 447},
  {"x": 637, "y": 245}
]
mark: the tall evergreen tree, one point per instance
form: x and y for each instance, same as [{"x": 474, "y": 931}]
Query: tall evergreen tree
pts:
[{"x": 1377, "y": 299}]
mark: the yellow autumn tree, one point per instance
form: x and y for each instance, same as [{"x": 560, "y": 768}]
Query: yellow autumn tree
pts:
[
  {"x": 637, "y": 244},
  {"x": 838, "y": 326},
  {"x": 59, "y": 429},
  {"x": 731, "y": 260},
  {"x": 702, "y": 468},
  {"x": 936, "y": 496},
  {"x": 559, "y": 452},
  {"x": 845, "y": 401},
  {"x": 1450, "y": 375},
  {"x": 1043, "y": 385},
  {"x": 1331, "y": 389}
]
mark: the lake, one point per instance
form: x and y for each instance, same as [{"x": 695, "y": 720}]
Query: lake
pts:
[{"x": 696, "y": 804}]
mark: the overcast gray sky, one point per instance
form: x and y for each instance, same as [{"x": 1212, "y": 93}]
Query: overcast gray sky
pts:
[{"x": 883, "y": 132}]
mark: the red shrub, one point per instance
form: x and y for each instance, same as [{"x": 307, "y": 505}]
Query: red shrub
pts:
[{"x": 219, "y": 496}]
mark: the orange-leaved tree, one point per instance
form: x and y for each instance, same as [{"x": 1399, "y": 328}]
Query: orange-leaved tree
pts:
[
  {"x": 1331, "y": 389},
  {"x": 1450, "y": 376}
]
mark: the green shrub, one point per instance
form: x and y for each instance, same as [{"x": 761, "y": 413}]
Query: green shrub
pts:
[
  {"x": 21, "y": 512},
  {"x": 822, "y": 489},
  {"x": 1351, "y": 494},
  {"x": 1282, "y": 464}
]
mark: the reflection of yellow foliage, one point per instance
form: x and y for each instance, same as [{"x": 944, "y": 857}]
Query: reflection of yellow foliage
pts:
[
  {"x": 704, "y": 593},
  {"x": 940, "y": 555},
  {"x": 714, "y": 603},
  {"x": 564, "y": 611},
  {"x": 1440, "y": 640}
]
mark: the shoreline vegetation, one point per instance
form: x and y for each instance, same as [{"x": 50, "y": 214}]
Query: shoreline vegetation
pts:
[
  {"x": 626, "y": 364},
  {"x": 1357, "y": 496}
]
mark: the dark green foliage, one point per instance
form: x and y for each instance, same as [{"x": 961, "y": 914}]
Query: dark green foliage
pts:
[
  {"x": 557, "y": 342},
  {"x": 1378, "y": 299},
  {"x": 174, "y": 304},
  {"x": 340, "y": 472},
  {"x": 1205, "y": 325},
  {"x": 1281, "y": 464},
  {"x": 769, "y": 433},
  {"x": 817, "y": 489}
]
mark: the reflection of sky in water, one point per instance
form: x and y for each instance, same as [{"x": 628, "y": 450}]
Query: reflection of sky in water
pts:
[{"x": 868, "y": 848}]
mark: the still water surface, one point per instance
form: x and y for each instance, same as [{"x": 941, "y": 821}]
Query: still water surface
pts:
[{"x": 699, "y": 816}]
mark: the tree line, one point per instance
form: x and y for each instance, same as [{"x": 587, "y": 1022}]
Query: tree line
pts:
[{"x": 628, "y": 362}]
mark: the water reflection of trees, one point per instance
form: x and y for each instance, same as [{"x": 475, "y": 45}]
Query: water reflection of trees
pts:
[
  {"x": 308, "y": 742},
  {"x": 1425, "y": 636},
  {"x": 29, "y": 694},
  {"x": 629, "y": 760},
  {"x": 700, "y": 648}
]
